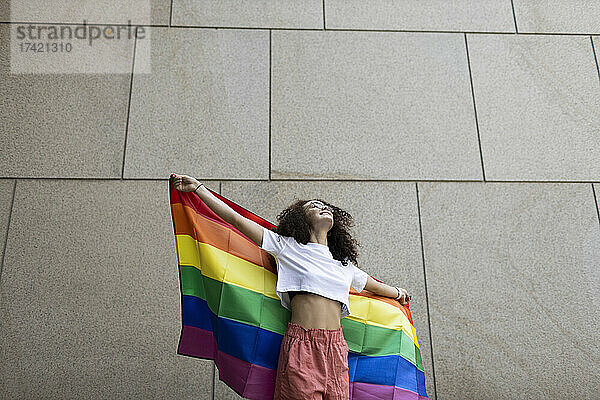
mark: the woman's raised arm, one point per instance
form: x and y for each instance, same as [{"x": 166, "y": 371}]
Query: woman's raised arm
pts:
[{"x": 251, "y": 229}]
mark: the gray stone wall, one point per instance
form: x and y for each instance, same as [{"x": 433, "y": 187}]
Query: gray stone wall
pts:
[{"x": 463, "y": 136}]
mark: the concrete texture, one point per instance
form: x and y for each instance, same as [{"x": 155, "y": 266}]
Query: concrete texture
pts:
[
  {"x": 573, "y": 16},
  {"x": 514, "y": 289},
  {"x": 305, "y": 14},
  {"x": 537, "y": 100},
  {"x": 208, "y": 93},
  {"x": 596, "y": 191},
  {"x": 56, "y": 125},
  {"x": 403, "y": 99},
  {"x": 6, "y": 195},
  {"x": 90, "y": 295},
  {"x": 596, "y": 45},
  {"x": 456, "y": 15},
  {"x": 93, "y": 12},
  {"x": 4, "y": 11}
]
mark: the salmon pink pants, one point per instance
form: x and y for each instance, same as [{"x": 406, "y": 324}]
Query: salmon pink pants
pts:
[{"x": 313, "y": 364}]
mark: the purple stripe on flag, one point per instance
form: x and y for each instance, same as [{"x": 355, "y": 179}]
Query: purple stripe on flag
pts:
[
  {"x": 259, "y": 381},
  {"x": 369, "y": 391},
  {"x": 197, "y": 342}
]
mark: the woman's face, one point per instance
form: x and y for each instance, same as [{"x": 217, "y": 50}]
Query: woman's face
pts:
[{"x": 318, "y": 214}]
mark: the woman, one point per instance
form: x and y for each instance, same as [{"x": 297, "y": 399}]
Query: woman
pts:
[{"x": 316, "y": 263}]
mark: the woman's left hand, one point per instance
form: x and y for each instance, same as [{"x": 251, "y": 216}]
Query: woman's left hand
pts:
[{"x": 404, "y": 297}]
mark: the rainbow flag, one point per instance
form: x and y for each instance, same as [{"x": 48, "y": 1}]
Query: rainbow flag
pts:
[{"x": 231, "y": 313}]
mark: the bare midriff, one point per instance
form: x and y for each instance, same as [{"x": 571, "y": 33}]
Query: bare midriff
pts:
[{"x": 313, "y": 311}]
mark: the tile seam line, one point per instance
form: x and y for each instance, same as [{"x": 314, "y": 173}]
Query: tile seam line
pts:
[
  {"x": 595, "y": 57},
  {"x": 276, "y": 180},
  {"x": 309, "y": 29},
  {"x": 10, "y": 212},
  {"x": 80, "y": 23},
  {"x": 512, "y": 4},
  {"x": 324, "y": 21},
  {"x": 426, "y": 291},
  {"x": 596, "y": 203},
  {"x": 129, "y": 105},
  {"x": 511, "y": 33},
  {"x": 474, "y": 106}
]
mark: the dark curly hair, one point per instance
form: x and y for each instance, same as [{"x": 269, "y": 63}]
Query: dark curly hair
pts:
[{"x": 292, "y": 222}]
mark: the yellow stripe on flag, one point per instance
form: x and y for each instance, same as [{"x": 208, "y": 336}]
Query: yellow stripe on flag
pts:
[{"x": 222, "y": 266}]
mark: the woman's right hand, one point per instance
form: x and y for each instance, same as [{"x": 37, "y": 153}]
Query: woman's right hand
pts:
[{"x": 185, "y": 183}]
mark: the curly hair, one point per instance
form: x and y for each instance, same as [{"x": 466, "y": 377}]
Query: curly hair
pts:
[{"x": 293, "y": 222}]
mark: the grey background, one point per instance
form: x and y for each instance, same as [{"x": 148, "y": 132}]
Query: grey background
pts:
[{"x": 463, "y": 136}]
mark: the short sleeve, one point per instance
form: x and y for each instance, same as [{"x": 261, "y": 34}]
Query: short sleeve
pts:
[
  {"x": 359, "y": 279},
  {"x": 273, "y": 243}
]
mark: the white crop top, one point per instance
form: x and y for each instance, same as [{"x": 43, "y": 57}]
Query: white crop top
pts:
[{"x": 311, "y": 267}]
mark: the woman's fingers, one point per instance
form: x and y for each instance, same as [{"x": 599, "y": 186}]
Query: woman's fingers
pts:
[
  {"x": 404, "y": 297},
  {"x": 178, "y": 181}
]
